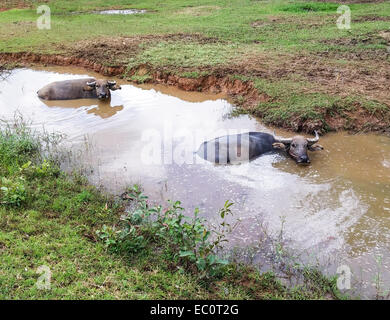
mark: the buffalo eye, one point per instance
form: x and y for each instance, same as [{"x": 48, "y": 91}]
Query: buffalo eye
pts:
[{"x": 293, "y": 145}]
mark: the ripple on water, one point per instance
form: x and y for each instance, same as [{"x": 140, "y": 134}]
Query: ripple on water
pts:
[{"x": 314, "y": 214}]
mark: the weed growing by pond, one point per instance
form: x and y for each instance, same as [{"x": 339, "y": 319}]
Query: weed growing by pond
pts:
[
  {"x": 188, "y": 240},
  {"x": 297, "y": 269},
  {"x": 13, "y": 191},
  {"x": 141, "y": 79},
  {"x": 381, "y": 292},
  {"x": 19, "y": 148},
  {"x": 18, "y": 141},
  {"x": 4, "y": 72}
]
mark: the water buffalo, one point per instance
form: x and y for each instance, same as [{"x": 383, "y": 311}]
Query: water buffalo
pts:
[
  {"x": 78, "y": 89},
  {"x": 247, "y": 146}
]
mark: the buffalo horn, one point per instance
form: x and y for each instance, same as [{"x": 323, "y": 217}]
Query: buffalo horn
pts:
[
  {"x": 111, "y": 82},
  {"x": 282, "y": 140},
  {"x": 91, "y": 84},
  {"x": 314, "y": 140}
]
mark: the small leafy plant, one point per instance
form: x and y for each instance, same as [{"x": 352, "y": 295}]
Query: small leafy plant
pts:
[
  {"x": 108, "y": 235},
  {"x": 13, "y": 192},
  {"x": 45, "y": 169},
  {"x": 191, "y": 241}
]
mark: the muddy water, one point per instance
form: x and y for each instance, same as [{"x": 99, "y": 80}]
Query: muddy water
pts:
[{"x": 335, "y": 211}]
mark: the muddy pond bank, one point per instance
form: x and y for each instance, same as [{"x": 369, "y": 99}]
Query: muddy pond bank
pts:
[
  {"x": 344, "y": 114},
  {"x": 334, "y": 211}
]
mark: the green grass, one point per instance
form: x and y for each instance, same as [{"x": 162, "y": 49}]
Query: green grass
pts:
[
  {"x": 194, "y": 74},
  {"x": 54, "y": 224},
  {"x": 187, "y": 55},
  {"x": 140, "y": 79},
  {"x": 230, "y": 22},
  {"x": 295, "y": 99}
]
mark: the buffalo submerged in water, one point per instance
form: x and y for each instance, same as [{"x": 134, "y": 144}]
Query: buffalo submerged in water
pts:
[
  {"x": 78, "y": 89},
  {"x": 248, "y": 146}
]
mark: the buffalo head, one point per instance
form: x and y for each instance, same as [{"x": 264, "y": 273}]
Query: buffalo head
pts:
[
  {"x": 102, "y": 88},
  {"x": 297, "y": 146}
]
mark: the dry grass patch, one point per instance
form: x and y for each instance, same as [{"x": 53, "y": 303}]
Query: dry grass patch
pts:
[{"x": 199, "y": 11}]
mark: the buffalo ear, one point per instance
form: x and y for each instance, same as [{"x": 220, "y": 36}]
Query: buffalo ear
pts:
[
  {"x": 115, "y": 87},
  {"x": 112, "y": 85},
  {"x": 315, "y": 147},
  {"x": 279, "y": 145}
]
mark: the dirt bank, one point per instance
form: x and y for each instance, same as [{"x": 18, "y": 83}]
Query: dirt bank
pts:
[{"x": 16, "y": 4}]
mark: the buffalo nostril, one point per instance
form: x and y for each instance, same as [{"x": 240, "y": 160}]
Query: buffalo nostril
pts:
[{"x": 304, "y": 159}]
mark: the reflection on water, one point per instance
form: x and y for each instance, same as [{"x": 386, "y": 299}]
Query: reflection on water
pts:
[
  {"x": 105, "y": 111},
  {"x": 101, "y": 108},
  {"x": 337, "y": 206},
  {"x": 189, "y": 96}
]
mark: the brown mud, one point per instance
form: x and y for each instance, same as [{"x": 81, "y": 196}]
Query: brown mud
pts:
[
  {"x": 280, "y": 20},
  {"x": 370, "y": 17},
  {"x": 15, "y": 4}
]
